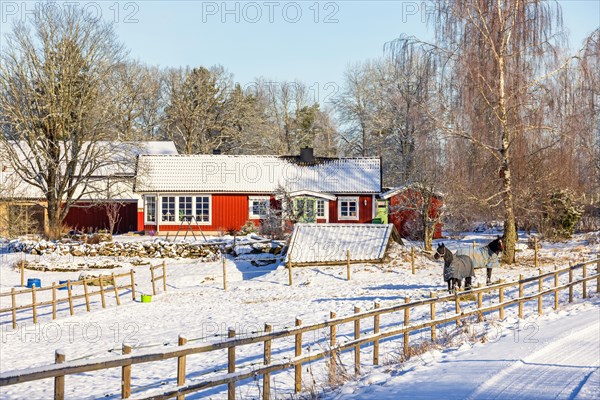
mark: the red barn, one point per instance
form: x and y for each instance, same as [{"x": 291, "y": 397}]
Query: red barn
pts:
[
  {"x": 221, "y": 193},
  {"x": 406, "y": 205}
]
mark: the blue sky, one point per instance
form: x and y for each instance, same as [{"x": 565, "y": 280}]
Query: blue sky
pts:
[{"x": 280, "y": 40}]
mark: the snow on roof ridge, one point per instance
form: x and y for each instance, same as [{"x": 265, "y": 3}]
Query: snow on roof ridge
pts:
[{"x": 254, "y": 155}]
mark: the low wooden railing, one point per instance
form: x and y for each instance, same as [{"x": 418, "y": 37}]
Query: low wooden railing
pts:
[
  {"x": 103, "y": 282},
  {"x": 125, "y": 361},
  {"x": 155, "y": 278}
]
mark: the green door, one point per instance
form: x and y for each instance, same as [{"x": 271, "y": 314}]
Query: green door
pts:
[{"x": 382, "y": 212}]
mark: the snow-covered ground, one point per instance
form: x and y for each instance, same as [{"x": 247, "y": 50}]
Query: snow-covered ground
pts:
[
  {"x": 197, "y": 307},
  {"x": 551, "y": 357}
]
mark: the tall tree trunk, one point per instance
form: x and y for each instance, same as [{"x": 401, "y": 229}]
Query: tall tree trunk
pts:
[{"x": 510, "y": 230}]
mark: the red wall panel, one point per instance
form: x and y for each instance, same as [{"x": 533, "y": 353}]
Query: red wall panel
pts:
[
  {"x": 86, "y": 217},
  {"x": 365, "y": 211},
  {"x": 407, "y": 222},
  {"x": 229, "y": 213}
]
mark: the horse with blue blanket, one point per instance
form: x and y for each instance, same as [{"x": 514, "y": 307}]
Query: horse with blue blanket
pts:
[
  {"x": 456, "y": 268},
  {"x": 487, "y": 256}
]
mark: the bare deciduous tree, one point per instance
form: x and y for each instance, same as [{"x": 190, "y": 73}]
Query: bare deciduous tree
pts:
[
  {"x": 56, "y": 106},
  {"x": 497, "y": 56}
]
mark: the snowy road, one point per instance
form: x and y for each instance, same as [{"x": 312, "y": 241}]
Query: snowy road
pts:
[{"x": 551, "y": 358}]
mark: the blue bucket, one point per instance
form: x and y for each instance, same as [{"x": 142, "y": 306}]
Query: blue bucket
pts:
[
  {"x": 34, "y": 281},
  {"x": 62, "y": 283}
]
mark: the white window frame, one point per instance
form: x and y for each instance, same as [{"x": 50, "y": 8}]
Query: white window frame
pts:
[
  {"x": 178, "y": 220},
  {"x": 174, "y": 209},
  {"x": 325, "y": 215},
  {"x": 191, "y": 208},
  {"x": 146, "y": 213},
  {"x": 251, "y": 200},
  {"x": 348, "y": 200},
  {"x": 194, "y": 209}
]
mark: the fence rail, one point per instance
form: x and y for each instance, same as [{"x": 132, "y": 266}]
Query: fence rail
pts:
[
  {"x": 62, "y": 368},
  {"x": 104, "y": 283}
]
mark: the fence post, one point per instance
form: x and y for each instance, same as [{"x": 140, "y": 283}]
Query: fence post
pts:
[
  {"x": 376, "y": 331},
  {"x": 116, "y": 289},
  {"x": 598, "y": 273},
  {"x": 181, "y": 366},
  {"x": 231, "y": 365},
  {"x": 153, "y": 282},
  {"x": 540, "y": 290},
  {"x": 164, "y": 268},
  {"x": 357, "y": 347},
  {"x": 406, "y": 323},
  {"x": 298, "y": 353},
  {"x": 70, "y": 296},
  {"x": 535, "y": 251},
  {"x": 289, "y": 266},
  {"x": 501, "y": 299},
  {"x": 53, "y": 300},
  {"x": 432, "y": 309},
  {"x": 267, "y": 361},
  {"x": 520, "y": 296},
  {"x": 584, "y": 283},
  {"x": 348, "y": 265},
  {"x": 479, "y": 304},
  {"x": 86, "y": 294},
  {"x": 570, "y": 282},
  {"x": 474, "y": 248},
  {"x": 34, "y": 305},
  {"x": 132, "y": 284},
  {"x": 412, "y": 259},
  {"x": 13, "y": 298},
  {"x": 224, "y": 273},
  {"x": 22, "y": 273},
  {"x": 101, "y": 282},
  {"x": 126, "y": 375},
  {"x": 332, "y": 343},
  {"x": 59, "y": 381},
  {"x": 457, "y": 306},
  {"x": 555, "y": 288}
]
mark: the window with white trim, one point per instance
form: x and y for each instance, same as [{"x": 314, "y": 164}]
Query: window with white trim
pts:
[
  {"x": 184, "y": 208},
  {"x": 167, "y": 209},
  {"x": 320, "y": 208},
  {"x": 203, "y": 209},
  {"x": 258, "y": 207},
  {"x": 348, "y": 208},
  {"x": 150, "y": 209}
]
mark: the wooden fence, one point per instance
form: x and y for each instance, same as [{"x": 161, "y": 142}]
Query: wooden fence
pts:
[
  {"x": 103, "y": 282},
  {"x": 155, "y": 278},
  {"x": 61, "y": 368}
]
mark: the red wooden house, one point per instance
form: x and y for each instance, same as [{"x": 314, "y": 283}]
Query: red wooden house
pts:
[
  {"x": 406, "y": 203},
  {"x": 222, "y": 192}
]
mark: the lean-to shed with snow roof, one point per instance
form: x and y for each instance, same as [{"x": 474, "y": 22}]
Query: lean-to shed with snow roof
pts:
[{"x": 314, "y": 244}]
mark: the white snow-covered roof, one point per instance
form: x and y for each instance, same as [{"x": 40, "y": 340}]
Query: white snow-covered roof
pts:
[
  {"x": 256, "y": 174},
  {"x": 117, "y": 160},
  {"x": 314, "y": 243},
  {"x": 399, "y": 189}
]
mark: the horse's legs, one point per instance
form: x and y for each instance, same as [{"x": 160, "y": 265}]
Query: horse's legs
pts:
[
  {"x": 450, "y": 285},
  {"x": 468, "y": 283},
  {"x": 489, "y": 276}
]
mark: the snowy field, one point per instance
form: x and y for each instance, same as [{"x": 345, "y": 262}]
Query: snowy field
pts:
[
  {"x": 197, "y": 307},
  {"x": 549, "y": 357}
]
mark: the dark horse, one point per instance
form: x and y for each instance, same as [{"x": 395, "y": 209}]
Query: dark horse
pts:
[
  {"x": 456, "y": 268},
  {"x": 487, "y": 256}
]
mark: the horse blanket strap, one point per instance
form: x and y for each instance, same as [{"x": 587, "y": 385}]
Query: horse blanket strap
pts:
[
  {"x": 460, "y": 268},
  {"x": 482, "y": 257}
]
